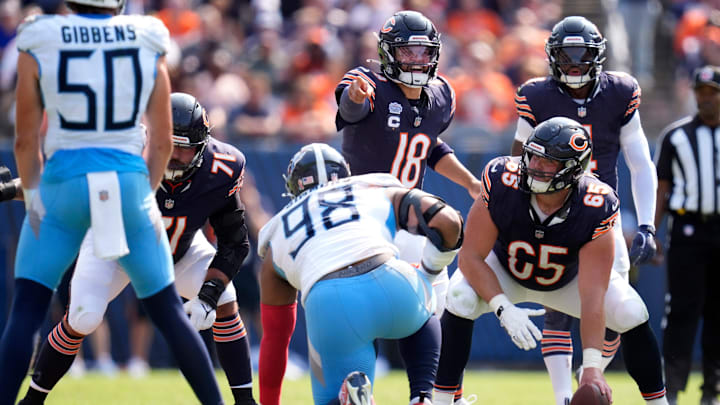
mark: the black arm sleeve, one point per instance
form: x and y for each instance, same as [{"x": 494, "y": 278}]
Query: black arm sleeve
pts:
[{"x": 233, "y": 245}]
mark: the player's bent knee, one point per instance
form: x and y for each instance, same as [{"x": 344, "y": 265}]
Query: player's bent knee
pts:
[
  {"x": 630, "y": 314},
  {"x": 462, "y": 300},
  {"x": 85, "y": 322}
]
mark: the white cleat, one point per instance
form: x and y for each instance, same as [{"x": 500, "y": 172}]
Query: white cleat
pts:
[
  {"x": 137, "y": 368},
  {"x": 356, "y": 390},
  {"x": 467, "y": 401}
]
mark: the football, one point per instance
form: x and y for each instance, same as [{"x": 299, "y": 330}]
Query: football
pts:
[{"x": 589, "y": 394}]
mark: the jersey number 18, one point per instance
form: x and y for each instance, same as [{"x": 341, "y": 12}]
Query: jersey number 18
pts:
[{"x": 408, "y": 158}]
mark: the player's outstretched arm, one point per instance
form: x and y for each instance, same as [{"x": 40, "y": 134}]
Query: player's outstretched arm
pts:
[
  {"x": 479, "y": 240},
  {"x": 643, "y": 176},
  {"x": 28, "y": 119},
  {"x": 450, "y": 167},
  {"x": 278, "y": 310},
  {"x": 424, "y": 214},
  {"x": 595, "y": 264},
  {"x": 233, "y": 247},
  {"x": 159, "y": 118}
]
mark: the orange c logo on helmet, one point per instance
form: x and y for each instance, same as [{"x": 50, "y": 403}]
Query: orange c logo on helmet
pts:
[
  {"x": 579, "y": 142},
  {"x": 389, "y": 24}
]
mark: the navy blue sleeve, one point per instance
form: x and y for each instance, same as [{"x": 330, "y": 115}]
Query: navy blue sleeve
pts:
[
  {"x": 522, "y": 103},
  {"x": 350, "y": 111},
  {"x": 231, "y": 231},
  {"x": 440, "y": 150},
  {"x": 632, "y": 94}
]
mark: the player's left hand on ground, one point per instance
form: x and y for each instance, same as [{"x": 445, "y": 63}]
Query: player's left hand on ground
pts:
[
  {"x": 516, "y": 322},
  {"x": 643, "y": 245},
  {"x": 202, "y": 314}
]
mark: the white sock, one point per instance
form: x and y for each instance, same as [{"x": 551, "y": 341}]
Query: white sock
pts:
[
  {"x": 443, "y": 397},
  {"x": 657, "y": 401},
  {"x": 559, "y": 367},
  {"x": 606, "y": 361}
]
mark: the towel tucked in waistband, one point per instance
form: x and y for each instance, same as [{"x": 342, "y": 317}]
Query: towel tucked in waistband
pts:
[{"x": 106, "y": 218}]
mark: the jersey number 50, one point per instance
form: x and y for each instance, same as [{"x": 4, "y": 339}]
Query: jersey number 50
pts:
[{"x": 109, "y": 57}]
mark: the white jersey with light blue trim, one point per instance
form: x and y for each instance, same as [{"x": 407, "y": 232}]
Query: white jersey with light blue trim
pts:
[
  {"x": 331, "y": 227},
  {"x": 96, "y": 76}
]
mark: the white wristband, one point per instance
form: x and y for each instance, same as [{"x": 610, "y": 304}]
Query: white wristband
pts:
[
  {"x": 592, "y": 358},
  {"x": 28, "y": 194}
]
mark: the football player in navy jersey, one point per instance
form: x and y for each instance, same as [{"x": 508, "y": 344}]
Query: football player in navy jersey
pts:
[
  {"x": 553, "y": 251},
  {"x": 606, "y": 104},
  {"x": 391, "y": 120},
  {"x": 200, "y": 184}
]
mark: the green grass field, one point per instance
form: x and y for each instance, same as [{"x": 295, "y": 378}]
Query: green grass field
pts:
[{"x": 492, "y": 387}]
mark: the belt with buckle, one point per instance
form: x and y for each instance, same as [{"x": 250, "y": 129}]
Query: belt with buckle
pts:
[{"x": 361, "y": 267}]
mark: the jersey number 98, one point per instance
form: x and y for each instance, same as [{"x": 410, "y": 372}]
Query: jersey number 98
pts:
[{"x": 346, "y": 203}]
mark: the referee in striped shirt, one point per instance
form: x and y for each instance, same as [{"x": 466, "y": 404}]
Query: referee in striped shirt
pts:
[{"x": 688, "y": 167}]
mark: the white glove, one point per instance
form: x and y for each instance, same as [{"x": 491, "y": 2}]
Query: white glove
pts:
[
  {"x": 202, "y": 314},
  {"x": 516, "y": 321}
]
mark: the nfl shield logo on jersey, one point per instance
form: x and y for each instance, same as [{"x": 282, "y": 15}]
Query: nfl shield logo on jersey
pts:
[
  {"x": 103, "y": 195},
  {"x": 169, "y": 203},
  {"x": 582, "y": 112}
]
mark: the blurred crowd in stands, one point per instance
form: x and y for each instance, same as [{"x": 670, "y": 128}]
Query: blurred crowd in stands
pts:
[{"x": 266, "y": 69}]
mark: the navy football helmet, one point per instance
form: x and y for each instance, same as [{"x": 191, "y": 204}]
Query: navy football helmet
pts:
[
  {"x": 409, "y": 49},
  {"x": 190, "y": 129},
  {"x": 560, "y": 139},
  {"x": 314, "y": 165},
  {"x": 575, "y": 42}
]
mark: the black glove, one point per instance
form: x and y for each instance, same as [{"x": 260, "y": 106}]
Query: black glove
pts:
[
  {"x": 8, "y": 188},
  {"x": 643, "y": 245},
  {"x": 211, "y": 291}
]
